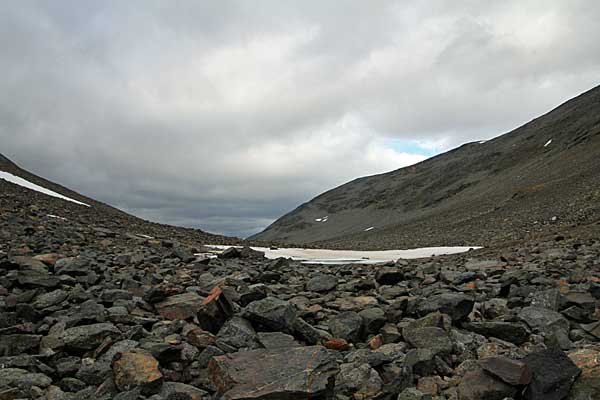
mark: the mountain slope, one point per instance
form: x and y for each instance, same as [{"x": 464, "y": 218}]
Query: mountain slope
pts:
[
  {"x": 33, "y": 207},
  {"x": 505, "y": 188}
]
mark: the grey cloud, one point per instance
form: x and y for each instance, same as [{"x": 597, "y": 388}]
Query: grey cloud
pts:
[{"x": 224, "y": 115}]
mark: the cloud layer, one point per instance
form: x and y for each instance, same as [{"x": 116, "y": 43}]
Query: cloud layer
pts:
[{"x": 225, "y": 115}]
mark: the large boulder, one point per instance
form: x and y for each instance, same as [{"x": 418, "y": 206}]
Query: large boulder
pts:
[
  {"x": 272, "y": 313},
  {"x": 285, "y": 374},
  {"x": 137, "y": 369},
  {"x": 553, "y": 375},
  {"x": 457, "y": 306},
  {"x": 508, "y": 331},
  {"x": 346, "y": 325},
  {"x": 180, "y": 306},
  {"x": 478, "y": 385},
  {"x": 321, "y": 283}
]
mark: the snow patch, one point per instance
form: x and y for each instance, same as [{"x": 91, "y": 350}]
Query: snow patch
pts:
[
  {"x": 369, "y": 228},
  {"x": 322, "y": 256},
  {"x": 323, "y": 219},
  {"x": 55, "y": 216},
  {"x": 26, "y": 184},
  {"x": 548, "y": 143}
]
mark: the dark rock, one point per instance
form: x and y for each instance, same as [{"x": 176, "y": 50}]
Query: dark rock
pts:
[
  {"x": 20, "y": 378},
  {"x": 180, "y": 391},
  {"x": 477, "y": 385},
  {"x": 513, "y": 372},
  {"x": 88, "y": 337},
  {"x": 321, "y": 283},
  {"x": 14, "y": 345},
  {"x": 236, "y": 334},
  {"x": 272, "y": 313},
  {"x": 389, "y": 276},
  {"x": 359, "y": 381},
  {"x": 296, "y": 373},
  {"x": 49, "y": 299},
  {"x": 72, "y": 266},
  {"x": 373, "y": 319},
  {"x": 457, "y": 306},
  {"x": 346, "y": 325},
  {"x": 508, "y": 331},
  {"x": 553, "y": 375},
  {"x": 276, "y": 340},
  {"x": 214, "y": 310},
  {"x": 428, "y": 337}
]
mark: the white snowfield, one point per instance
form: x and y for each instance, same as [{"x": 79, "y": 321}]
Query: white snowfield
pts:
[
  {"x": 25, "y": 183},
  {"x": 322, "y": 256}
]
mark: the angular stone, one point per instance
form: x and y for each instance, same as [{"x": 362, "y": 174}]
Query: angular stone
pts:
[
  {"x": 276, "y": 340},
  {"x": 508, "y": 331},
  {"x": 272, "y": 313},
  {"x": 587, "y": 386},
  {"x": 137, "y": 368},
  {"x": 553, "y": 375},
  {"x": 16, "y": 377},
  {"x": 180, "y": 306},
  {"x": 373, "y": 319},
  {"x": 200, "y": 338},
  {"x": 389, "y": 276},
  {"x": 75, "y": 266},
  {"x": 359, "y": 381},
  {"x": 35, "y": 278},
  {"x": 296, "y": 373},
  {"x": 513, "y": 372},
  {"x": 478, "y": 385},
  {"x": 49, "y": 299},
  {"x": 237, "y": 333},
  {"x": 321, "y": 283},
  {"x": 177, "y": 390},
  {"x": 346, "y": 325},
  {"x": 14, "y": 345},
  {"x": 88, "y": 337},
  {"x": 214, "y": 310},
  {"x": 457, "y": 306},
  {"x": 429, "y": 337},
  {"x": 309, "y": 333}
]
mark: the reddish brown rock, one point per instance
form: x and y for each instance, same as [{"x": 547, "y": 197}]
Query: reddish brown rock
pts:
[
  {"x": 336, "y": 344},
  {"x": 513, "y": 372},
  {"x": 200, "y": 338},
  {"x": 137, "y": 368},
  {"x": 180, "y": 306},
  {"x": 285, "y": 374}
]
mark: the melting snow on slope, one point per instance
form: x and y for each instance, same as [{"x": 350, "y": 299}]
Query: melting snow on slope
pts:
[
  {"x": 322, "y": 256},
  {"x": 324, "y": 219},
  {"x": 548, "y": 142},
  {"x": 55, "y": 216},
  {"x": 22, "y": 182}
]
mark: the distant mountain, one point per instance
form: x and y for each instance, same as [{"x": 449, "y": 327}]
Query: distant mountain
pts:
[
  {"x": 543, "y": 174},
  {"x": 33, "y": 197}
]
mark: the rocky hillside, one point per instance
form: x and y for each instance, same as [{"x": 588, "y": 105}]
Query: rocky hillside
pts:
[
  {"x": 88, "y": 312},
  {"x": 100, "y": 219},
  {"x": 543, "y": 174}
]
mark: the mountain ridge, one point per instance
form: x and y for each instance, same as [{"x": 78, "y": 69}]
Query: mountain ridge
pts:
[{"x": 513, "y": 176}]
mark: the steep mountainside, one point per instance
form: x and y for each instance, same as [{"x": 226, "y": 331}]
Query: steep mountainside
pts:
[
  {"x": 28, "y": 207},
  {"x": 544, "y": 173}
]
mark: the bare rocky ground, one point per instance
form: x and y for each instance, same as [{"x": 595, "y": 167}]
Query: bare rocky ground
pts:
[{"x": 89, "y": 309}]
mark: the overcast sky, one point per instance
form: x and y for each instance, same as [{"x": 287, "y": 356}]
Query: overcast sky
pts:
[{"x": 224, "y": 115}]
